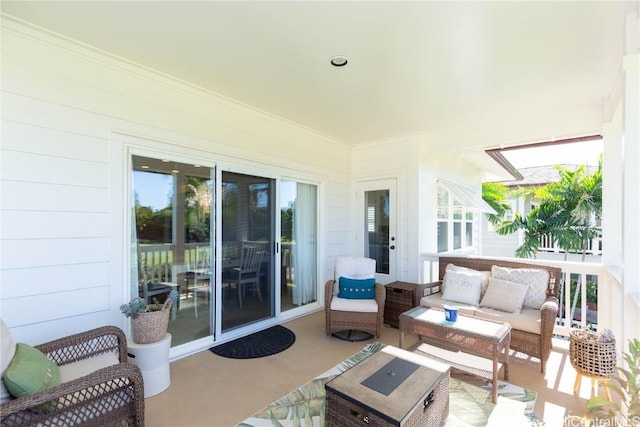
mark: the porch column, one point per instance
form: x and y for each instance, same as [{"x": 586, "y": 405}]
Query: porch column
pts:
[
  {"x": 631, "y": 178},
  {"x": 612, "y": 208}
]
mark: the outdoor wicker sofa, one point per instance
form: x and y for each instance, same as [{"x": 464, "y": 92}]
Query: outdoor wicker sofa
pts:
[
  {"x": 112, "y": 395},
  {"x": 532, "y": 330}
]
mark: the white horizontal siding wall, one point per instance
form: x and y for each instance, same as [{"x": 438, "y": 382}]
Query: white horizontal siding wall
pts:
[
  {"x": 68, "y": 114},
  {"x": 496, "y": 245}
]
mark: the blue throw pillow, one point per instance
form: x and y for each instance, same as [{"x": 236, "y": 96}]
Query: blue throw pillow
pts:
[{"x": 357, "y": 288}]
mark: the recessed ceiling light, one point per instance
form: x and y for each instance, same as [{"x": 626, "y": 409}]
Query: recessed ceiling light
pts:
[
  {"x": 339, "y": 61},
  {"x": 145, "y": 166}
]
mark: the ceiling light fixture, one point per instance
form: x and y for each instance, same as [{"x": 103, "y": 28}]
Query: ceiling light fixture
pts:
[{"x": 339, "y": 60}]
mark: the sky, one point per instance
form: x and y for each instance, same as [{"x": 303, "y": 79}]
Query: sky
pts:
[
  {"x": 155, "y": 190},
  {"x": 579, "y": 153}
]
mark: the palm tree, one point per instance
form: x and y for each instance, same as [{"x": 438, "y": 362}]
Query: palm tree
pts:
[
  {"x": 580, "y": 194},
  {"x": 565, "y": 212},
  {"x": 496, "y": 194},
  {"x": 548, "y": 218}
]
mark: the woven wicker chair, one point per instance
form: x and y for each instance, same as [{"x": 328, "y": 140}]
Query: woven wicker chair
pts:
[
  {"x": 536, "y": 345},
  {"x": 109, "y": 396},
  {"x": 337, "y": 320}
]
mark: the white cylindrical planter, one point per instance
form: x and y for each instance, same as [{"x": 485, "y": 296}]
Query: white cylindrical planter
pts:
[{"x": 153, "y": 361}]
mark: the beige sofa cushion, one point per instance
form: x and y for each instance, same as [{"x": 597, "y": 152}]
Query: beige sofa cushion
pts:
[
  {"x": 527, "y": 320},
  {"x": 84, "y": 367},
  {"x": 436, "y": 301}
]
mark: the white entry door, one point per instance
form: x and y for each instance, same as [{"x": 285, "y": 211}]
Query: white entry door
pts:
[{"x": 377, "y": 226}]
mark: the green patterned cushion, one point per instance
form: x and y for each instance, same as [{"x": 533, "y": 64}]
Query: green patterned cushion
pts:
[{"x": 30, "y": 371}]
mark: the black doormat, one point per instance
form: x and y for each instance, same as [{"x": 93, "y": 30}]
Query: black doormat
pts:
[{"x": 259, "y": 344}]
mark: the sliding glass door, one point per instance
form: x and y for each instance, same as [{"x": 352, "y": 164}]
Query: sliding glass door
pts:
[
  {"x": 208, "y": 246},
  {"x": 172, "y": 242},
  {"x": 299, "y": 251},
  {"x": 248, "y": 249}
]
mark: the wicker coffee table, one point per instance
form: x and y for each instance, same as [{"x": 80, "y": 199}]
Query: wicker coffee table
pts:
[{"x": 470, "y": 344}]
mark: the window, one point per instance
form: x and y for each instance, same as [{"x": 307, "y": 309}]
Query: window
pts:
[
  {"x": 443, "y": 220},
  {"x": 457, "y": 216}
]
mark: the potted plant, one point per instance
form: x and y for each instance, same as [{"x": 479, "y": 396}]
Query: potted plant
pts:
[
  {"x": 592, "y": 296},
  {"x": 149, "y": 322}
]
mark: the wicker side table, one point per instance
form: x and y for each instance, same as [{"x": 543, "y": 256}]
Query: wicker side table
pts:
[
  {"x": 591, "y": 358},
  {"x": 401, "y": 297}
]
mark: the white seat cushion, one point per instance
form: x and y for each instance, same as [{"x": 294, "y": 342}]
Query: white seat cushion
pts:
[
  {"x": 7, "y": 350},
  {"x": 353, "y": 268},
  {"x": 358, "y": 305},
  {"x": 84, "y": 367}
]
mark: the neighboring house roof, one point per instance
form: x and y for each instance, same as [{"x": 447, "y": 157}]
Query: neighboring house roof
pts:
[{"x": 541, "y": 175}]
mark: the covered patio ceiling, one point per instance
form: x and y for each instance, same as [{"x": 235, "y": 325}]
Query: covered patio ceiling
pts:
[{"x": 474, "y": 74}]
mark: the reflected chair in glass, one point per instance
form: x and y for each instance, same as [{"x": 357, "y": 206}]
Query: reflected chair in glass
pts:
[
  {"x": 246, "y": 273},
  {"x": 153, "y": 279},
  {"x": 198, "y": 276}
]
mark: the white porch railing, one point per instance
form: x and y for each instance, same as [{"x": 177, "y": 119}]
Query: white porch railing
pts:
[
  {"x": 616, "y": 310},
  {"x": 548, "y": 244},
  {"x": 163, "y": 258}
]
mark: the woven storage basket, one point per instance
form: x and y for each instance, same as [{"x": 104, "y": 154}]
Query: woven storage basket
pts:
[
  {"x": 591, "y": 357},
  {"x": 152, "y": 326}
]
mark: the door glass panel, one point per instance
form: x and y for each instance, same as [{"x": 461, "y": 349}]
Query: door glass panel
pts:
[
  {"x": 298, "y": 253},
  {"x": 171, "y": 242},
  {"x": 377, "y": 228},
  {"x": 247, "y": 249}
]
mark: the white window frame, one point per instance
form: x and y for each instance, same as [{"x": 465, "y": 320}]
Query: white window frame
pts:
[{"x": 456, "y": 213}]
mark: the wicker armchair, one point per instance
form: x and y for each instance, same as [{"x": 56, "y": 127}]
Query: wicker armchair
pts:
[
  {"x": 109, "y": 396},
  {"x": 339, "y": 320},
  {"x": 536, "y": 345}
]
